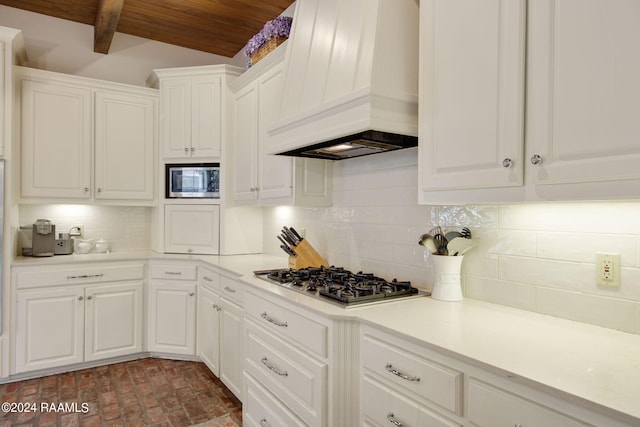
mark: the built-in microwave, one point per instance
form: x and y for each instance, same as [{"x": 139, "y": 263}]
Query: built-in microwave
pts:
[{"x": 193, "y": 181}]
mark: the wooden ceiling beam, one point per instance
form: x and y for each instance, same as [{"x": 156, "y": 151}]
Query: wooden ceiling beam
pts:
[{"x": 107, "y": 18}]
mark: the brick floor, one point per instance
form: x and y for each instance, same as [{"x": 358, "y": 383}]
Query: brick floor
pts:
[{"x": 145, "y": 392}]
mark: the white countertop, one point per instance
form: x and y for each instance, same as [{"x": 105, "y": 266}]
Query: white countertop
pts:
[{"x": 596, "y": 364}]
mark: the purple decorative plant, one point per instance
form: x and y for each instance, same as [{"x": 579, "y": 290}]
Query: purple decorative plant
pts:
[{"x": 279, "y": 27}]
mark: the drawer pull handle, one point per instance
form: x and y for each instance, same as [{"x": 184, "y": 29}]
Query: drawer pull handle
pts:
[
  {"x": 273, "y": 368},
  {"x": 216, "y": 307},
  {"x": 85, "y": 276},
  {"x": 173, "y": 273},
  {"x": 393, "y": 420},
  {"x": 402, "y": 375},
  {"x": 264, "y": 423},
  {"x": 228, "y": 289},
  {"x": 207, "y": 279},
  {"x": 270, "y": 319}
]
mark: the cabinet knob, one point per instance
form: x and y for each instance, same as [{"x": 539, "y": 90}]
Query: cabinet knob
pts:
[
  {"x": 393, "y": 420},
  {"x": 193, "y": 149},
  {"x": 80, "y": 298},
  {"x": 191, "y": 294},
  {"x": 86, "y": 189},
  {"x": 89, "y": 297},
  {"x": 186, "y": 149},
  {"x": 190, "y": 250},
  {"x": 99, "y": 190},
  {"x": 216, "y": 307},
  {"x": 507, "y": 162},
  {"x": 264, "y": 423},
  {"x": 536, "y": 159}
]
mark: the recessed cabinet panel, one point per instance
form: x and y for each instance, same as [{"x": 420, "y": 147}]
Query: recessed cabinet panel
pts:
[
  {"x": 125, "y": 135},
  {"x": 472, "y": 95},
  {"x": 113, "y": 320},
  {"x": 583, "y": 90},
  {"x": 49, "y": 328},
  {"x": 172, "y": 317},
  {"x": 245, "y": 158},
  {"x": 192, "y": 229},
  {"x": 56, "y": 137}
]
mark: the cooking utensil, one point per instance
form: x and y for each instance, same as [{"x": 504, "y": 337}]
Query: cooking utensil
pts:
[
  {"x": 427, "y": 241},
  {"x": 466, "y": 233},
  {"x": 441, "y": 244},
  {"x": 450, "y": 235},
  {"x": 459, "y": 246}
]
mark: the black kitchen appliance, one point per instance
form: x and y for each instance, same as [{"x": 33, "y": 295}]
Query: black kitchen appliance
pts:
[
  {"x": 340, "y": 286},
  {"x": 193, "y": 181}
]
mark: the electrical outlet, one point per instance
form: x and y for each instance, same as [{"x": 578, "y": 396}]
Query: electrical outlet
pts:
[
  {"x": 77, "y": 231},
  {"x": 608, "y": 270}
]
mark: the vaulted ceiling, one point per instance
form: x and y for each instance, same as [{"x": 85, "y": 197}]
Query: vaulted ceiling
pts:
[{"x": 221, "y": 27}]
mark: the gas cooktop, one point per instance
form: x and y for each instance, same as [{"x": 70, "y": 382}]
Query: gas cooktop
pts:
[{"x": 340, "y": 286}]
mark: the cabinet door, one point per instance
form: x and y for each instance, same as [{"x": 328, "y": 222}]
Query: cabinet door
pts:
[
  {"x": 125, "y": 141},
  {"x": 49, "y": 329},
  {"x": 583, "y": 91},
  {"x": 172, "y": 321},
  {"x": 175, "y": 96},
  {"x": 206, "y": 116},
  {"x": 4, "y": 101},
  {"x": 472, "y": 93},
  {"x": 245, "y": 146},
  {"x": 56, "y": 140},
  {"x": 192, "y": 229},
  {"x": 113, "y": 320},
  {"x": 208, "y": 331},
  {"x": 275, "y": 172},
  {"x": 231, "y": 347},
  {"x": 489, "y": 406}
]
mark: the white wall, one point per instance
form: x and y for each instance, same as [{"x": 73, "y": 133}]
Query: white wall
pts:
[
  {"x": 67, "y": 47},
  {"x": 538, "y": 257}
]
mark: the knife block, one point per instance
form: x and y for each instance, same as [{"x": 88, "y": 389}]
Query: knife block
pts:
[{"x": 306, "y": 256}]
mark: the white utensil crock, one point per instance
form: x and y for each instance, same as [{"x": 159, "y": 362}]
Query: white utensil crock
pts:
[{"x": 447, "y": 274}]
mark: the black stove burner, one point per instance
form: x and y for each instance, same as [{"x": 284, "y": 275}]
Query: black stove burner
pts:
[{"x": 340, "y": 285}]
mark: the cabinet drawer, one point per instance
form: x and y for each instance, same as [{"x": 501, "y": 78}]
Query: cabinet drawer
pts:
[
  {"x": 173, "y": 271},
  {"x": 298, "y": 380},
  {"x": 209, "y": 278},
  {"x": 262, "y": 409},
  {"x": 382, "y": 406},
  {"x": 415, "y": 374},
  {"x": 74, "y": 274},
  {"x": 232, "y": 290},
  {"x": 490, "y": 406},
  {"x": 303, "y": 331}
]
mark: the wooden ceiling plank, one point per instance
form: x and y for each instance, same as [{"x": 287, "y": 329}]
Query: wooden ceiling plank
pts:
[{"x": 107, "y": 18}]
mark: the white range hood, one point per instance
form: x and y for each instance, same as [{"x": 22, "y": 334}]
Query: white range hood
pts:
[{"x": 351, "y": 79}]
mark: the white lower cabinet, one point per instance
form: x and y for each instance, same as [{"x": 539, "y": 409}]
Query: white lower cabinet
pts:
[
  {"x": 491, "y": 406},
  {"x": 289, "y": 364},
  {"x": 262, "y": 409},
  {"x": 231, "y": 325},
  {"x": 76, "y": 313},
  {"x": 171, "y": 326},
  {"x": 403, "y": 383},
  {"x": 208, "y": 327}
]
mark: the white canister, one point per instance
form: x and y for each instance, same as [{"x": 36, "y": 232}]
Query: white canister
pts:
[
  {"x": 447, "y": 274},
  {"x": 102, "y": 246}
]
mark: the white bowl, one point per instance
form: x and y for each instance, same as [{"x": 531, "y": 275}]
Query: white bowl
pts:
[
  {"x": 102, "y": 246},
  {"x": 82, "y": 246}
]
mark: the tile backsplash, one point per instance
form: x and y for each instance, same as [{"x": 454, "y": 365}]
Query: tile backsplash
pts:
[
  {"x": 538, "y": 257},
  {"x": 126, "y": 228}
]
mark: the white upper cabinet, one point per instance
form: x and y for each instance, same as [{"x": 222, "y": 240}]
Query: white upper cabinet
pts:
[
  {"x": 125, "y": 141},
  {"x": 11, "y": 53},
  {"x": 583, "y": 90},
  {"x": 86, "y": 140},
  {"x": 56, "y": 140},
  {"x": 565, "y": 132},
  {"x": 192, "y": 104},
  {"x": 259, "y": 177},
  {"x": 472, "y": 93}
]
